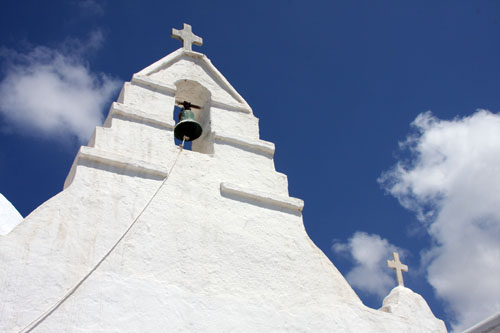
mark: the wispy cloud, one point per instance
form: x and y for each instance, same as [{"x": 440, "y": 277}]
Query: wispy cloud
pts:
[
  {"x": 91, "y": 6},
  {"x": 452, "y": 182},
  {"x": 369, "y": 252},
  {"x": 53, "y": 92}
]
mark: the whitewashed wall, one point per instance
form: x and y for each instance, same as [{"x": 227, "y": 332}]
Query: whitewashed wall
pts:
[{"x": 222, "y": 247}]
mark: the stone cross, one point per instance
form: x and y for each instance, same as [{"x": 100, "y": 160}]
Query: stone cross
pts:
[
  {"x": 398, "y": 267},
  {"x": 187, "y": 37}
]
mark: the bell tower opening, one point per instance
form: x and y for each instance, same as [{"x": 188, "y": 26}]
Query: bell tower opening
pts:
[{"x": 195, "y": 98}]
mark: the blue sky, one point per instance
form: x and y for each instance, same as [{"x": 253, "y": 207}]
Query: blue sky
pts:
[{"x": 337, "y": 87}]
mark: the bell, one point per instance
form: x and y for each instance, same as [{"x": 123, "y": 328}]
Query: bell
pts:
[{"x": 187, "y": 126}]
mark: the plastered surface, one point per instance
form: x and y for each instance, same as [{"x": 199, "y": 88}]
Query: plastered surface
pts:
[{"x": 221, "y": 247}]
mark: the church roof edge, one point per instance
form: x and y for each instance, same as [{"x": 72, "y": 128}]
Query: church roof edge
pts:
[{"x": 181, "y": 52}]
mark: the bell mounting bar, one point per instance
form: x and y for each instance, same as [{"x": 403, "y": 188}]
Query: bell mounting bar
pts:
[{"x": 187, "y": 105}]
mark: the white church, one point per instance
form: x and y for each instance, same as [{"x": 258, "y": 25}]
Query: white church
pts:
[{"x": 149, "y": 237}]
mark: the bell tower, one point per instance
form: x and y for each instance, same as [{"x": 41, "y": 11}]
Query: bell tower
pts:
[{"x": 148, "y": 237}]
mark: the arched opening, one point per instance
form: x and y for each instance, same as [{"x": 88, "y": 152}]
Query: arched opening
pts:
[{"x": 195, "y": 93}]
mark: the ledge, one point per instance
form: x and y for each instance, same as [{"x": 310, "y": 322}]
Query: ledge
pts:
[
  {"x": 259, "y": 145},
  {"x": 155, "y": 84},
  {"x": 120, "y": 161},
  {"x": 229, "y": 107},
  {"x": 136, "y": 114},
  {"x": 273, "y": 200},
  {"x": 171, "y": 90},
  {"x": 129, "y": 112}
]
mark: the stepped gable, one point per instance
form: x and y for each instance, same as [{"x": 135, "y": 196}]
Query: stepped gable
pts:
[{"x": 146, "y": 237}]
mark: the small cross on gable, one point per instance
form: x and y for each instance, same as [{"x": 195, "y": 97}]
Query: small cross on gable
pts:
[
  {"x": 398, "y": 267},
  {"x": 187, "y": 37}
]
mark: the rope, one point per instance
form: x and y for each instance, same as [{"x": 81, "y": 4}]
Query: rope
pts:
[{"x": 34, "y": 323}]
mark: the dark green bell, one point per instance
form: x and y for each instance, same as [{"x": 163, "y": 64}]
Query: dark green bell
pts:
[{"x": 187, "y": 126}]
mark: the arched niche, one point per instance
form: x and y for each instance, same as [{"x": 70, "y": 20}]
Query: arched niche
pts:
[{"x": 194, "y": 93}]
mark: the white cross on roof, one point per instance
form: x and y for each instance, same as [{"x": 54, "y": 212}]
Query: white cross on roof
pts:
[
  {"x": 398, "y": 267},
  {"x": 187, "y": 37}
]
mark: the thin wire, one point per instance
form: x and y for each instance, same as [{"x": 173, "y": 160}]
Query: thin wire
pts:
[{"x": 33, "y": 324}]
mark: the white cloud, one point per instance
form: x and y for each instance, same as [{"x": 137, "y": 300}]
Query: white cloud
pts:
[
  {"x": 370, "y": 273},
  {"x": 452, "y": 182},
  {"x": 9, "y": 216},
  {"x": 53, "y": 93}
]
